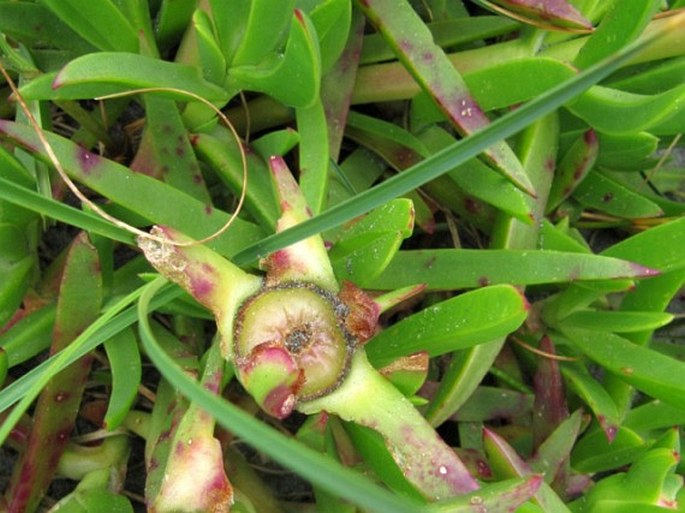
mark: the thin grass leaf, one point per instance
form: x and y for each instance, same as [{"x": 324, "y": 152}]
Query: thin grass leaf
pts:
[
  {"x": 26, "y": 389},
  {"x": 18, "y": 195}
]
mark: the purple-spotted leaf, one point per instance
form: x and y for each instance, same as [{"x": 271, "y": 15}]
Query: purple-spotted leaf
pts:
[
  {"x": 558, "y": 14},
  {"x": 502, "y": 497},
  {"x": 594, "y": 395},
  {"x": 147, "y": 197},
  {"x": 600, "y": 192},
  {"x": 573, "y": 168},
  {"x": 423, "y": 457},
  {"x": 445, "y": 269},
  {"x": 413, "y": 43},
  {"x": 506, "y": 463},
  {"x": 78, "y": 305}
]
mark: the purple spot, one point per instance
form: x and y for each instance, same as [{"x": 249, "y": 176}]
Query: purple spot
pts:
[
  {"x": 197, "y": 178},
  {"x": 427, "y": 57},
  {"x": 201, "y": 287},
  {"x": 641, "y": 270},
  {"x": 590, "y": 137},
  {"x": 607, "y": 197},
  {"x": 549, "y": 164},
  {"x": 61, "y": 396},
  {"x": 87, "y": 160},
  {"x": 483, "y": 281},
  {"x": 180, "y": 152},
  {"x": 429, "y": 263},
  {"x": 63, "y": 435},
  {"x": 209, "y": 209},
  {"x": 471, "y": 205},
  {"x": 406, "y": 46}
]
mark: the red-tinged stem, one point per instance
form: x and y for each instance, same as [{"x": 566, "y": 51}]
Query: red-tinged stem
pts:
[
  {"x": 366, "y": 398},
  {"x": 194, "y": 479}
]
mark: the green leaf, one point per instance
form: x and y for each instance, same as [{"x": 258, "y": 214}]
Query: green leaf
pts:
[
  {"x": 514, "y": 81},
  {"x": 619, "y": 322},
  {"x": 292, "y": 78},
  {"x": 490, "y": 403},
  {"x": 621, "y": 25},
  {"x": 15, "y": 275},
  {"x": 276, "y": 142},
  {"x": 35, "y": 25},
  {"x": 172, "y": 20},
  {"x": 594, "y": 453},
  {"x": 332, "y": 19},
  {"x": 626, "y": 152},
  {"x": 93, "y": 501},
  {"x": 100, "y": 23},
  {"x": 654, "y": 415},
  {"x": 99, "y": 74},
  {"x": 502, "y": 497},
  {"x": 649, "y": 371},
  {"x": 446, "y": 269},
  {"x": 659, "y": 247},
  {"x": 314, "y": 154},
  {"x": 555, "y": 450},
  {"x": 367, "y": 246},
  {"x": 29, "y": 336},
  {"x": 125, "y": 365},
  {"x": 599, "y": 192},
  {"x": 221, "y": 152},
  {"x": 594, "y": 395},
  {"x": 263, "y": 31},
  {"x": 478, "y": 180},
  {"x": 619, "y": 113},
  {"x": 371, "y": 447},
  {"x": 200, "y": 49},
  {"x": 465, "y": 372},
  {"x": 463, "y": 321}
]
